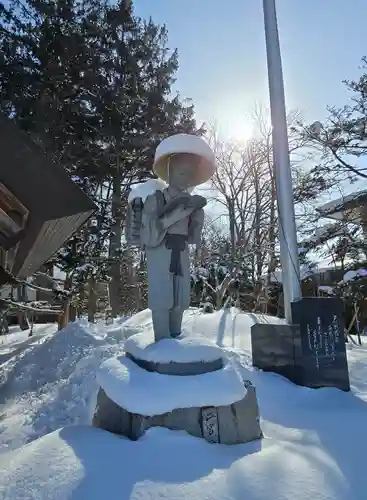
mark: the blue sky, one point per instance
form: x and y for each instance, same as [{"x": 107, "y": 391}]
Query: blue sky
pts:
[{"x": 222, "y": 53}]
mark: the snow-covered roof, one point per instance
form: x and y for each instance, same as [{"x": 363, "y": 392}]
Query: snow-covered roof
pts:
[
  {"x": 353, "y": 275},
  {"x": 277, "y": 276},
  {"x": 323, "y": 233},
  {"x": 352, "y": 208},
  {"x": 320, "y": 267}
]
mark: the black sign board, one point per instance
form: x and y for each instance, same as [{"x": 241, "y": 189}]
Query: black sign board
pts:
[
  {"x": 322, "y": 345},
  {"x": 311, "y": 352}
]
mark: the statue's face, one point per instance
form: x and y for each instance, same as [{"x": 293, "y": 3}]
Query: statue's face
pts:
[{"x": 182, "y": 169}]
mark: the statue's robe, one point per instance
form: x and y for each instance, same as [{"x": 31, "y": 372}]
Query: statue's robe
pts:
[{"x": 165, "y": 240}]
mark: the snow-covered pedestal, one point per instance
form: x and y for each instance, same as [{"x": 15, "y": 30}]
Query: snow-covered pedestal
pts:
[
  {"x": 181, "y": 384},
  {"x": 182, "y": 356}
]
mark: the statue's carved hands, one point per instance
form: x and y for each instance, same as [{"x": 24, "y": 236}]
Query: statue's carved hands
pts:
[
  {"x": 170, "y": 206},
  {"x": 197, "y": 201},
  {"x": 185, "y": 200}
]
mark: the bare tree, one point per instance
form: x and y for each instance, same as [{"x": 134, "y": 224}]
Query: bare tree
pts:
[
  {"x": 245, "y": 186},
  {"x": 242, "y": 187}
]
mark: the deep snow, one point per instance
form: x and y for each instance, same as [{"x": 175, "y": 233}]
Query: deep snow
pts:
[{"x": 314, "y": 446}]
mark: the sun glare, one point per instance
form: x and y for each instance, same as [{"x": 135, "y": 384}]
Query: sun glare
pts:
[
  {"x": 237, "y": 130},
  {"x": 232, "y": 125},
  {"x": 240, "y": 132}
]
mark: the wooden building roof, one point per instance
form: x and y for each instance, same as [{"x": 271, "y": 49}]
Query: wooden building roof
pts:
[
  {"x": 350, "y": 208},
  {"x": 40, "y": 206}
]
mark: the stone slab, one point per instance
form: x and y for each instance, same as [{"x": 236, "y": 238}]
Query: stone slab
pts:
[
  {"x": 182, "y": 349},
  {"x": 273, "y": 349},
  {"x": 322, "y": 344},
  {"x": 236, "y": 423},
  {"x": 311, "y": 352},
  {"x": 182, "y": 369}
]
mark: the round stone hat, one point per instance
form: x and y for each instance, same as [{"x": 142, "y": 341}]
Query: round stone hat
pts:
[{"x": 185, "y": 143}]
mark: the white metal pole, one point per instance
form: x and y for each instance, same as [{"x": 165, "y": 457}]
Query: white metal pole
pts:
[{"x": 283, "y": 179}]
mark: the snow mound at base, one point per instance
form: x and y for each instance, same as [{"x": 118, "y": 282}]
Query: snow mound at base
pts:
[
  {"x": 84, "y": 463},
  {"x": 137, "y": 323},
  {"x": 148, "y": 394},
  {"x": 226, "y": 328},
  {"x": 315, "y": 443},
  {"x": 185, "y": 349},
  {"x": 51, "y": 384}
]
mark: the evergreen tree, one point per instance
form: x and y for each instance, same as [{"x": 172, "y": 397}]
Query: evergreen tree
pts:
[{"x": 91, "y": 83}]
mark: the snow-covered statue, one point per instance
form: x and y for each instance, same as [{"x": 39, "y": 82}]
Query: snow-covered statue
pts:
[{"x": 164, "y": 219}]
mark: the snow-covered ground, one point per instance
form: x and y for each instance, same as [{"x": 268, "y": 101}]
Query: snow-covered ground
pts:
[{"x": 314, "y": 447}]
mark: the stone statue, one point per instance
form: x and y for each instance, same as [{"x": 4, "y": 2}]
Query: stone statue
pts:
[{"x": 168, "y": 221}]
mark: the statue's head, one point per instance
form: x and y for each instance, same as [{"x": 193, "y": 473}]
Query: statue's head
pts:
[
  {"x": 184, "y": 161},
  {"x": 181, "y": 169}
]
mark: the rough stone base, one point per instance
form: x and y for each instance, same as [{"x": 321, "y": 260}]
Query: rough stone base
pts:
[{"x": 232, "y": 424}]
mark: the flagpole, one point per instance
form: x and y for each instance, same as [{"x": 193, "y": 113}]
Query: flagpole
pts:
[{"x": 283, "y": 179}]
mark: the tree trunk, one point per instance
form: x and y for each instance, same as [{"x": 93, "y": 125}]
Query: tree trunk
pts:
[
  {"x": 22, "y": 316},
  {"x": 92, "y": 299},
  {"x": 64, "y": 318},
  {"x": 232, "y": 230},
  {"x": 81, "y": 299},
  {"x": 257, "y": 228},
  {"x": 272, "y": 231},
  {"x": 72, "y": 313},
  {"x": 115, "y": 239},
  {"x": 134, "y": 285},
  {"x": 4, "y": 328}
]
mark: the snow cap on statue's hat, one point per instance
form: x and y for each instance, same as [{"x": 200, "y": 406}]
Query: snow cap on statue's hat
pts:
[{"x": 185, "y": 143}]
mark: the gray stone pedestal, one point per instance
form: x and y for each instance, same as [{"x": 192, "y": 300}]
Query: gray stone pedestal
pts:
[
  {"x": 180, "y": 356},
  {"x": 205, "y": 396}
]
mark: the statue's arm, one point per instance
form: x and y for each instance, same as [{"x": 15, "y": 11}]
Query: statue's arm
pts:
[
  {"x": 184, "y": 201},
  {"x": 156, "y": 221},
  {"x": 195, "y": 227},
  {"x": 181, "y": 201},
  {"x": 179, "y": 208},
  {"x": 176, "y": 215}
]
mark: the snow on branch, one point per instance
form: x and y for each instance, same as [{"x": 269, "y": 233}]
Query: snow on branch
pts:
[{"x": 21, "y": 306}]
